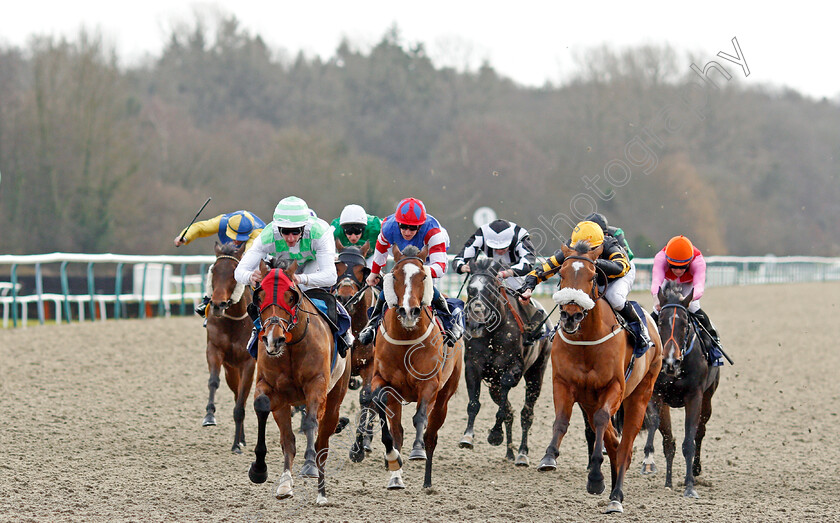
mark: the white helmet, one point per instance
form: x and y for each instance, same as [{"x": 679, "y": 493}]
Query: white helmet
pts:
[
  {"x": 353, "y": 214},
  {"x": 498, "y": 234}
]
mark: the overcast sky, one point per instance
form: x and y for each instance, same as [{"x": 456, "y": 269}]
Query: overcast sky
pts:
[{"x": 531, "y": 43}]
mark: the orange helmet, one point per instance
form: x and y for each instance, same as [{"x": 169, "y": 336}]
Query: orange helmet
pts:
[
  {"x": 679, "y": 251},
  {"x": 589, "y": 231}
]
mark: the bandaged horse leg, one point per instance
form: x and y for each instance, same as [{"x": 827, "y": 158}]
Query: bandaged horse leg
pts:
[{"x": 420, "y": 419}]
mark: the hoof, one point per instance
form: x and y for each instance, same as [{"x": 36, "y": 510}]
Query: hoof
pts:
[
  {"x": 355, "y": 383},
  {"x": 309, "y": 470},
  {"x": 495, "y": 438},
  {"x": 209, "y": 421},
  {"x": 284, "y": 491},
  {"x": 521, "y": 460},
  {"x": 321, "y": 501},
  {"x": 367, "y": 447},
  {"x": 356, "y": 454},
  {"x": 648, "y": 468},
  {"x": 548, "y": 464},
  {"x": 417, "y": 455},
  {"x": 342, "y": 422},
  {"x": 691, "y": 493},
  {"x": 614, "y": 508},
  {"x": 595, "y": 487},
  {"x": 236, "y": 450},
  {"x": 258, "y": 474},
  {"x": 396, "y": 482},
  {"x": 466, "y": 442}
]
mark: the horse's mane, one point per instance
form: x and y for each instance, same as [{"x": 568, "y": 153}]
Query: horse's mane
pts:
[
  {"x": 229, "y": 249},
  {"x": 275, "y": 262},
  {"x": 672, "y": 292},
  {"x": 582, "y": 247},
  {"x": 410, "y": 250}
]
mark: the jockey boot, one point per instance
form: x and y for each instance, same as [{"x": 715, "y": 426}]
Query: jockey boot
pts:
[
  {"x": 629, "y": 314},
  {"x": 254, "y": 313},
  {"x": 201, "y": 308},
  {"x": 367, "y": 334},
  {"x": 451, "y": 335},
  {"x": 534, "y": 322}
]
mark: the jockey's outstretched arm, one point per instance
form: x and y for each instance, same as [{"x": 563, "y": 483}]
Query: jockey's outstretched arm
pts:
[{"x": 250, "y": 262}]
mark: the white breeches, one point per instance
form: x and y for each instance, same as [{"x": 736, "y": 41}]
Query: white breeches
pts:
[{"x": 617, "y": 290}]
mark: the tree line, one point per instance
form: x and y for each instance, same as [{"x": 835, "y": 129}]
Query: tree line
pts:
[{"x": 98, "y": 157}]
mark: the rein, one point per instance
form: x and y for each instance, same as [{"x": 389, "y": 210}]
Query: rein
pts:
[
  {"x": 688, "y": 330},
  {"x": 516, "y": 316},
  {"x": 237, "y": 260}
]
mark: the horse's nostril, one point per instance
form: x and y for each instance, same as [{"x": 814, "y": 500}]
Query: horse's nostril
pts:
[
  {"x": 415, "y": 311},
  {"x": 401, "y": 311}
]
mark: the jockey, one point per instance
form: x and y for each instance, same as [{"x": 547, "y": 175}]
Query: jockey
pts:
[
  {"x": 236, "y": 227},
  {"x": 356, "y": 227},
  {"x": 615, "y": 232},
  {"x": 410, "y": 225},
  {"x": 510, "y": 244},
  {"x": 681, "y": 261},
  {"x": 612, "y": 261},
  {"x": 296, "y": 234}
]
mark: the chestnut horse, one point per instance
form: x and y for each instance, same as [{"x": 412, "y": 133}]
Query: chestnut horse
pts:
[
  {"x": 593, "y": 365},
  {"x": 228, "y": 330},
  {"x": 295, "y": 367},
  {"x": 412, "y": 363},
  {"x": 357, "y": 297},
  {"x": 687, "y": 380}
]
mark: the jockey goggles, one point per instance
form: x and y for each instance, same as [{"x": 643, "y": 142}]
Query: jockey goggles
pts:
[
  {"x": 408, "y": 227},
  {"x": 353, "y": 229},
  {"x": 291, "y": 231}
]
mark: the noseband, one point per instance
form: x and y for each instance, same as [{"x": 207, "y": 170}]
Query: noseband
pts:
[
  {"x": 688, "y": 331},
  {"x": 593, "y": 292},
  {"x": 286, "y": 325}
]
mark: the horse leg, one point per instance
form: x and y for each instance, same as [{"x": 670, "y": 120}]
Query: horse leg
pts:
[
  {"x": 503, "y": 416},
  {"x": 364, "y": 429},
  {"x": 214, "y": 362},
  {"x": 326, "y": 427},
  {"x": 599, "y": 421},
  {"x": 705, "y": 414},
  {"x": 258, "y": 472},
  {"x": 563, "y": 402},
  {"x": 651, "y": 422},
  {"x": 693, "y": 405},
  {"x": 669, "y": 445},
  {"x": 533, "y": 386},
  {"x": 420, "y": 419},
  {"x": 436, "y": 419},
  {"x": 283, "y": 418},
  {"x": 315, "y": 394},
  {"x": 590, "y": 437},
  {"x": 233, "y": 380},
  {"x": 634, "y": 406},
  {"x": 245, "y": 382},
  {"x": 473, "y": 376},
  {"x": 393, "y": 460}
]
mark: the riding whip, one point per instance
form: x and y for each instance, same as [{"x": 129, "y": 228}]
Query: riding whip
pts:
[
  {"x": 195, "y": 218},
  {"x": 725, "y": 355}
]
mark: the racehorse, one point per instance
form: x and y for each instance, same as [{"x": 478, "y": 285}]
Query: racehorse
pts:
[
  {"x": 687, "y": 380},
  {"x": 412, "y": 363},
  {"x": 296, "y": 365},
  {"x": 495, "y": 353},
  {"x": 228, "y": 330},
  {"x": 593, "y": 363},
  {"x": 357, "y": 297}
]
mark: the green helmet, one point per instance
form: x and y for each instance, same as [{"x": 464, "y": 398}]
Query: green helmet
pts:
[{"x": 292, "y": 212}]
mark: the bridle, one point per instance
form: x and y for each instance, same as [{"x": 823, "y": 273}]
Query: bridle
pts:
[
  {"x": 689, "y": 330},
  {"x": 287, "y": 325},
  {"x": 502, "y": 291},
  {"x": 228, "y": 303}
]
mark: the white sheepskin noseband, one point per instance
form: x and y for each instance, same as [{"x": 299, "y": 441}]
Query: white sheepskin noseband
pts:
[
  {"x": 576, "y": 296},
  {"x": 208, "y": 287},
  {"x": 391, "y": 295}
]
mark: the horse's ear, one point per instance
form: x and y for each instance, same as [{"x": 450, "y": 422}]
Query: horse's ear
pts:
[
  {"x": 661, "y": 296},
  {"x": 396, "y": 253},
  {"x": 567, "y": 251},
  {"x": 365, "y": 248},
  {"x": 596, "y": 252},
  {"x": 688, "y": 299},
  {"x": 423, "y": 254},
  {"x": 338, "y": 246},
  {"x": 241, "y": 249},
  {"x": 218, "y": 248},
  {"x": 365, "y": 272},
  {"x": 291, "y": 270}
]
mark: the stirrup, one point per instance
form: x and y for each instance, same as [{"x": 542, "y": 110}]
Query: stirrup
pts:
[{"x": 367, "y": 334}]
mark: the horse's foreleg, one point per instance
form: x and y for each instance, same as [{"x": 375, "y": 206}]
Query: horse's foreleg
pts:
[
  {"x": 418, "y": 449},
  {"x": 705, "y": 414},
  {"x": 472, "y": 376},
  {"x": 393, "y": 460},
  {"x": 436, "y": 419},
  {"x": 504, "y": 415},
  {"x": 315, "y": 394},
  {"x": 669, "y": 445},
  {"x": 589, "y": 434},
  {"x": 693, "y": 406},
  {"x": 283, "y": 418},
  {"x": 364, "y": 429},
  {"x": 563, "y": 402},
  {"x": 326, "y": 427},
  {"x": 214, "y": 363},
  {"x": 258, "y": 472},
  {"x": 652, "y": 423},
  {"x": 533, "y": 386}
]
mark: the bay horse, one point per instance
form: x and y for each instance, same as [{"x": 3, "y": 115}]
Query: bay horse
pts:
[
  {"x": 412, "y": 364},
  {"x": 687, "y": 380},
  {"x": 593, "y": 364},
  {"x": 357, "y": 297},
  {"x": 228, "y": 330},
  {"x": 296, "y": 365},
  {"x": 495, "y": 353}
]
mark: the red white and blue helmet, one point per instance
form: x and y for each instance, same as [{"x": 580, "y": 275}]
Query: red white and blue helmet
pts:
[{"x": 411, "y": 211}]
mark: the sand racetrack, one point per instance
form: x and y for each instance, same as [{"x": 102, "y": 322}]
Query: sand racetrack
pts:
[{"x": 102, "y": 422}]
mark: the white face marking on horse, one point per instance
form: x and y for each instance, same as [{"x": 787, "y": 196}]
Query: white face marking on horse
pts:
[
  {"x": 410, "y": 270},
  {"x": 577, "y": 266},
  {"x": 477, "y": 284}
]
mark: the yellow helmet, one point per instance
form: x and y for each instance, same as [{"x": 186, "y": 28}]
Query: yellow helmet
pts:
[{"x": 589, "y": 231}]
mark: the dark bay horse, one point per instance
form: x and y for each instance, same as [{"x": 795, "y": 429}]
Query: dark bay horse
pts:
[
  {"x": 296, "y": 365},
  {"x": 590, "y": 356},
  {"x": 495, "y": 353},
  {"x": 687, "y": 380},
  {"x": 357, "y": 297},
  {"x": 412, "y": 363},
  {"x": 228, "y": 330}
]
